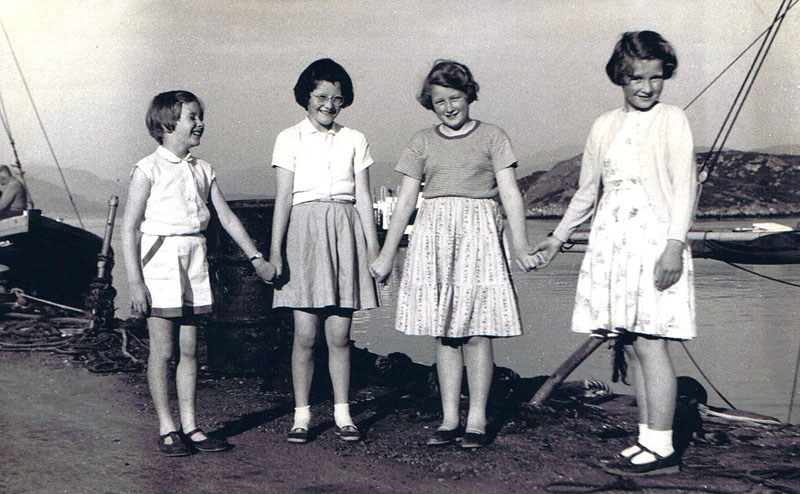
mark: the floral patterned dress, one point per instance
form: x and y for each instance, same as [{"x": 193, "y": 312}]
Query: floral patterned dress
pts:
[{"x": 616, "y": 286}]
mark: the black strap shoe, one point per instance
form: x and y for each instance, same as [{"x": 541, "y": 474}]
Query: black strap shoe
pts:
[
  {"x": 175, "y": 448},
  {"x": 660, "y": 466},
  {"x": 444, "y": 436},
  {"x": 207, "y": 445}
]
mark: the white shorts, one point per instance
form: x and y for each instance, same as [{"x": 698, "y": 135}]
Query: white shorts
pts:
[{"x": 175, "y": 272}]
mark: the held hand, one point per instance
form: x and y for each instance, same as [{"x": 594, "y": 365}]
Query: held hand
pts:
[
  {"x": 669, "y": 266},
  {"x": 140, "y": 299},
  {"x": 265, "y": 270},
  {"x": 277, "y": 262},
  {"x": 545, "y": 251},
  {"x": 372, "y": 255},
  {"x": 381, "y": 268},
  {"x": 524, "y": 261}
]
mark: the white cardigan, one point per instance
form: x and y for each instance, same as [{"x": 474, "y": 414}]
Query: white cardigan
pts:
[{"x": 667, "y": 168}]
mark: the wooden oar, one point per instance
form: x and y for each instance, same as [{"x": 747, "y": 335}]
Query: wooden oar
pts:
[{"x": 565, "y": 369}]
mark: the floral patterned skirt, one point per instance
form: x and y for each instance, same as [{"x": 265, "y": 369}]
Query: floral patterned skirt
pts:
[
  {"x": 616, "y": 287},
  {"x": 456, "y": 278}
]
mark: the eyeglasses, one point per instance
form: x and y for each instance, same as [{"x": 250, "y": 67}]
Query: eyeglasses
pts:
[{"x": 323, "y": 99}]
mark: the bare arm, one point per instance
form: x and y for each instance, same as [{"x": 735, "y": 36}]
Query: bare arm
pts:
[
  {"x": 367, "y": 214},
  {"x": 230, "y": 222},
  {"x": 511, "y": 198},
  {"x": 407, "y": 200},
  {"x": 280, "y": 217},
  {"x": 138, "y": 192}
]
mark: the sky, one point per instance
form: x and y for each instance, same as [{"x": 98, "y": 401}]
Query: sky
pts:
[{"x": 93, "y": 67}]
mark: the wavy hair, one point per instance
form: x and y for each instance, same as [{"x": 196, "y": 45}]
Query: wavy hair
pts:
[{"x": 645, "y": 45}]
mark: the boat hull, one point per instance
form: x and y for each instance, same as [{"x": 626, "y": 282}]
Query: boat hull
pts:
[
  {"x": 752, "y": 247},
  {"x": 47, "y": 258}
]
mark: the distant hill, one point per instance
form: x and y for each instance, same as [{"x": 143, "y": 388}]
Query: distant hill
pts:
[
  {"x": 90, "y": 192},
  {"x": 742, "y": 184}
]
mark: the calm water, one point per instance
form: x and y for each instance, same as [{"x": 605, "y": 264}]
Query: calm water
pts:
[{"x": 748, "y": 338}]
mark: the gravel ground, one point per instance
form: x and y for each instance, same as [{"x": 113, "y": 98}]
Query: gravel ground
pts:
[{"x": 64, "y": 429}]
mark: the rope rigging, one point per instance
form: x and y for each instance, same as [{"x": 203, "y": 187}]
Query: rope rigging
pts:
[
  {"x": 17, "y": 164},
  {"x": 41, "y": 125},
  {"x": 769, "y": 35},
  {"x": 740, "y": 55}
]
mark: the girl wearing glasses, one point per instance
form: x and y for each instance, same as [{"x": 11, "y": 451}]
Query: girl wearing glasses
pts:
[
  {"x": 323, "y": 236},
  {"x": 456, "y": 283},
  {"x": 638, "y": 177}
]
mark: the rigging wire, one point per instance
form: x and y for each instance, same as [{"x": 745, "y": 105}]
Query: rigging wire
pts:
[
  {"x": 41, "y": 125},
  {"x": 17, "y": 165},
  {"x": 740, "y": 55},
  {"x": 744, "y": 91}
]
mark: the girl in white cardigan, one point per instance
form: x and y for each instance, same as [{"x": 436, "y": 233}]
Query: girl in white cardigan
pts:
[{"x": 638, "y": 177}]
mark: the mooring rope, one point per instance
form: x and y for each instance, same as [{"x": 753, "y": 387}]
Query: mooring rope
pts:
[
  {"x": 761, "y": 275},
  {"x": 794, "y": 385},
  {"x": 708, "y": 380}
]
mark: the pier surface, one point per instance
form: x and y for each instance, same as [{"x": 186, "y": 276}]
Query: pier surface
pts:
[{"x": 66, "y": 430}]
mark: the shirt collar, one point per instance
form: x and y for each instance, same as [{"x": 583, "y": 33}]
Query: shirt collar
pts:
[
  {"x": 306, "y": 127},
  {"x": 172, "y": 158}
]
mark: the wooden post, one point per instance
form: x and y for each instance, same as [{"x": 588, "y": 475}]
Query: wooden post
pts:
[
  {"x": 102, "y": 258},
  {"x": 565, "y": 369}
]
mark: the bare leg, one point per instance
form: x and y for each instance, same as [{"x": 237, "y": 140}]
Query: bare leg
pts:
[
  {"x": 479, "y": 358},
  {"x": 635, "y": 369},
  {"x": 660, "y": 383},
  {"x": 449, "y": 367},
  {"x": 337, "y": 334},
  {"x": 305, "y": 335},
  {"x": 186, "y": 379},
  {"x": 160, "y": 331}
]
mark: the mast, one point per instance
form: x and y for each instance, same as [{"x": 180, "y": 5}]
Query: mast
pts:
[
  {"x": 17, "y": 164},
  {"x": 41, "y": 126}
]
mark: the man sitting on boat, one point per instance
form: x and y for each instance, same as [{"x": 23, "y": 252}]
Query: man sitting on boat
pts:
[{"x": 14, "y": 199}]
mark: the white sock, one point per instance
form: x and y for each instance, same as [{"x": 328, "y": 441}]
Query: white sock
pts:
[
  {"x": 302, "y": 417},
  {"x": 658, "y": 441},
  {"x": 341, "y": 414},
  {"x": 632, "y": 450}
]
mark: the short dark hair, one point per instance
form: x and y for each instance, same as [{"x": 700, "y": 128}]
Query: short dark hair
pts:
[
  {"x": 645, "y": 45},
  {"x": 5, "y": 169},
  {"x": 165, "y": 111},
  {"x": 323, "y": 69},
  {"x": 448, "y": 73}
]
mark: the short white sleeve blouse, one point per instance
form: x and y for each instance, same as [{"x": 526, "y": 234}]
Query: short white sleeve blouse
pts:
[
  {"x": 324, "y": 163},
  {"x": 179, "y": 191}
]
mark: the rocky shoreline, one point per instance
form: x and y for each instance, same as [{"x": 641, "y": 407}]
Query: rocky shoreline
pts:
[{"x": 742, "y": 185}]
